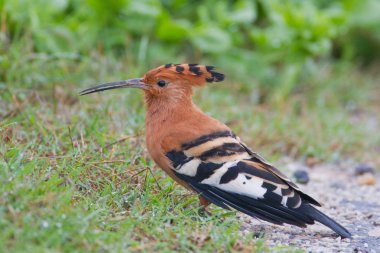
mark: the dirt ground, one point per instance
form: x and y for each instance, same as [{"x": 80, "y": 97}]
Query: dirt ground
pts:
[{"x": 354, "y": 205}]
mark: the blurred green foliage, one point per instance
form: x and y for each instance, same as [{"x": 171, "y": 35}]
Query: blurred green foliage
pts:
[{"x": 271, "y": 42}]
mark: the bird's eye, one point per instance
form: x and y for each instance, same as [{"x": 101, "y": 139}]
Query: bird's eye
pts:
[{"x": 161, "y": 83}]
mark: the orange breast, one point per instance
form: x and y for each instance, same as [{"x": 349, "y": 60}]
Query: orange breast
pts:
[{"x": 167, "y": 130}]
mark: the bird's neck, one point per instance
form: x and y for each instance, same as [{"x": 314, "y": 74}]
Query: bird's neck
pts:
[
  {"x": 161, "y": 112},
  {"x": 161, "y": 121}
]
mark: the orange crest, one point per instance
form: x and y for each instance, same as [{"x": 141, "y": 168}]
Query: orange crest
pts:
[{"x": 193, "y": 73}]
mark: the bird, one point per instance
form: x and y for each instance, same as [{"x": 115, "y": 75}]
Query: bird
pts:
[{"x": 205, "y": 156}]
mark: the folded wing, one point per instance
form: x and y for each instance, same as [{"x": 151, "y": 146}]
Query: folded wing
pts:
[{"x": 227, "y": 173}]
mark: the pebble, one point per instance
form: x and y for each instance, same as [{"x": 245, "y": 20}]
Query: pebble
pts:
[
  {"x": 362, "y": 168},
  {"x": 374, "y": 232},
  {"x": 367, "y": 179},
  {"x": 301, "y": 176},
  {"x": 44, "y": 224},
  {"x": 338, "y": 185},
  {"x": 312, "y": 161}
]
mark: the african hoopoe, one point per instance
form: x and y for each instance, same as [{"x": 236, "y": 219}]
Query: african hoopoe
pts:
[{"x": 204, "y": 155}]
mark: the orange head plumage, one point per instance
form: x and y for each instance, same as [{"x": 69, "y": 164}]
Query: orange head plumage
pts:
[{"x": 167, "y": 83}]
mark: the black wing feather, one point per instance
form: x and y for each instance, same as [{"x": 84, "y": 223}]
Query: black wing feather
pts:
[{"x": 271, "y": 212}]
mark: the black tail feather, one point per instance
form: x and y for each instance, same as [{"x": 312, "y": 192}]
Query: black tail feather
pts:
[
  {"x": 325, "y": 220},
  {"x": 264, "y": 210}
]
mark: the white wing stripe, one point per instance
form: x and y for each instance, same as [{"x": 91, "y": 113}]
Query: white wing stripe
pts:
[
  {"x": 190, "y": 168},
  {"x": 241, "y": 185},
  {"x": 200, "y": 149},
  {"x": 215, "y": 178}
]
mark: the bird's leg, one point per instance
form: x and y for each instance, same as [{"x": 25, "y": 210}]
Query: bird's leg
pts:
[{"x": 203, "y": 203}]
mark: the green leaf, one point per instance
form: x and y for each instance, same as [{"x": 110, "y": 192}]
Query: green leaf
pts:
[
  {"x": 150, "y": 8},
  {"x": 173, "y": 30},
  {"x": 211, "y": 39},
  {"x": 244, "y": 11}
]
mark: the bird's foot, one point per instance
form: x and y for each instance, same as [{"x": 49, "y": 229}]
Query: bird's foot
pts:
[
  {"x": 203, "y": 212},
  {"x": 203, "y": 204}
]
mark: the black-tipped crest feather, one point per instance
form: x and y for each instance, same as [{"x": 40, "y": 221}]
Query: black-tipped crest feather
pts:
[{"x": 197, "y": 70}]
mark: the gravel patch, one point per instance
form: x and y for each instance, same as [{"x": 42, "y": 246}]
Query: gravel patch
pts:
[{"x": 337, "y": 188}]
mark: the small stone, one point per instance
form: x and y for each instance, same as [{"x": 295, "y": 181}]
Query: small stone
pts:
[
  {"x": 363, "y": 168},
  {"x": 367, "y": 179},
  {"x": 374, "y": 232},
  {"x": 44, "y": 224},
  {"x": 238, "y": 245},
  {"x": 301, "y": 176},
  {"x": 338, "y": 185},
  {"x": 311, "y": 161}
]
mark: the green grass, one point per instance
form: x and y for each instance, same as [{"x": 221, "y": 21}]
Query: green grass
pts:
[{"x": 76, "y": 177}]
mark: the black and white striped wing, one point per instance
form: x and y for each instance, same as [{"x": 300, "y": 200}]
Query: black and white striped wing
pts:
[{"x": 225, "y": 172}]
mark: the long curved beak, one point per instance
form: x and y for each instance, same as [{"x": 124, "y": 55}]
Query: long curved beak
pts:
[{"x": 131, "y": 83}]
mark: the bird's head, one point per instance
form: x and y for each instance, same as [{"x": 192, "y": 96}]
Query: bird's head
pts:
[{"x": 167, "y": 82}]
